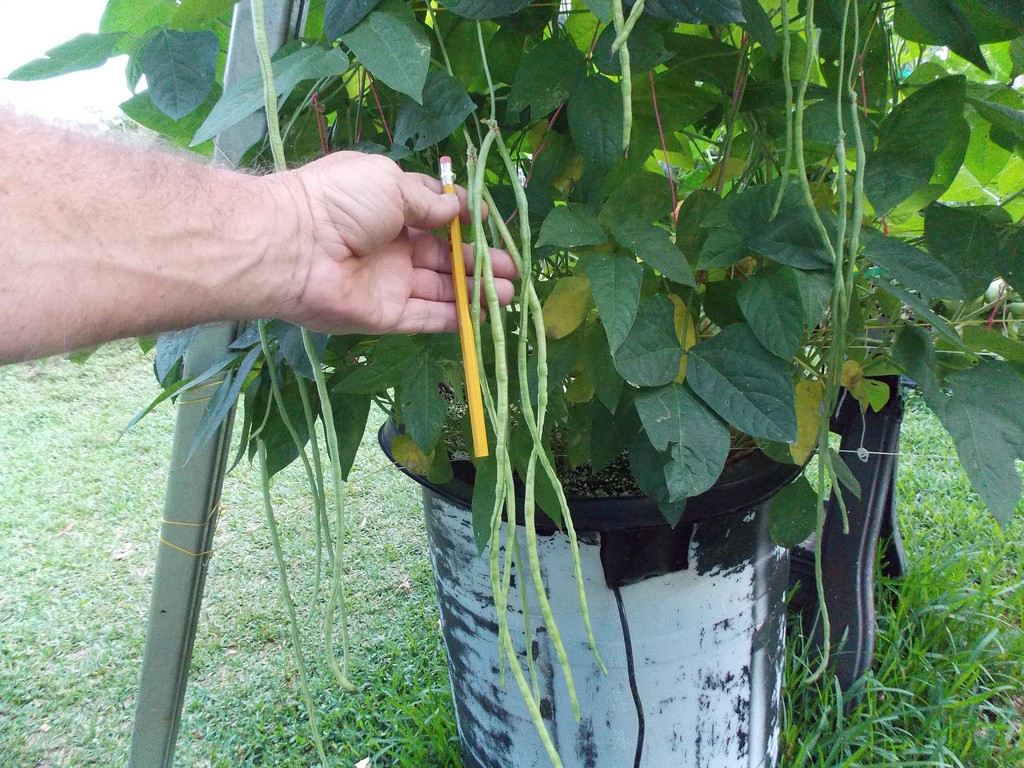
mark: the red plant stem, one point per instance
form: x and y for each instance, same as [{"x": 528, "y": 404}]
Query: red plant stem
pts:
[
  {"x": 593, "y": 40},
  {"x": 380, "y": 110},
  {"x": 863, "y": 92},
  {"x": 359, "y": 111},
  {"x": 543, "y": 141},
  {"x": 540, "y": 148},
  {"x": 999, "y": 300},
  {"x": 664, "y": 149},
  {"x": 321, "y": 124}
]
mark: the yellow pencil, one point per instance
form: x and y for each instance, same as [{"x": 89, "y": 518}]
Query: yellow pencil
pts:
[{"x": 469, "y": 362}]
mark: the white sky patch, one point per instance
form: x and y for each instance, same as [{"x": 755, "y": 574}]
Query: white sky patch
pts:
[{"x": 27, "y": 31}]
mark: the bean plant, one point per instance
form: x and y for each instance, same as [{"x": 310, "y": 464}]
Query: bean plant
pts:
[{"x": 727, "y": 217}]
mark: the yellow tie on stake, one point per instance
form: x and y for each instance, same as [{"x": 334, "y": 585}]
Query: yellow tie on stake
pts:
[{"x": 469, "y": 362}]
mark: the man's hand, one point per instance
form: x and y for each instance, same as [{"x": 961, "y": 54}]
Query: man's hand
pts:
[
  {"x": 369, "y": 262},
  {"x": 103, "y": 241}
]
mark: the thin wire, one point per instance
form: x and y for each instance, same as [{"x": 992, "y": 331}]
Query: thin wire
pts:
[
  {"x": 209, "y": 517},
  {"x": 184, "y": 551}
]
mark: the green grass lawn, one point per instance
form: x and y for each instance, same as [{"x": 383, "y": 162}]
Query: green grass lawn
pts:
[{"x": 80, "y": 507}]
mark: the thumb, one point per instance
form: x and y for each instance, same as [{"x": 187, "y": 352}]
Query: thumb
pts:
[{"x": 424, "y": 207}]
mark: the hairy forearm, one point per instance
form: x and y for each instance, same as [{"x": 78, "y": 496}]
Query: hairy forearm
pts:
[{"x": 103, "y": 240}]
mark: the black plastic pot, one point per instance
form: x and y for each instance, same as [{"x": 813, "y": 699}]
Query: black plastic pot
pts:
[{"x": 690, "y": 622}]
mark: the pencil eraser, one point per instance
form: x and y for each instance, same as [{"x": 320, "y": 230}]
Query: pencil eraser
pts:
[{"x": 446, "y": 159}]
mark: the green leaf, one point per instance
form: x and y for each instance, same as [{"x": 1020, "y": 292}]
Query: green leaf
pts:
[
  {"x": 281, "y": 448},
  {"x": 1001, "y": 116},
  {"x": 595, "y": 120},
  {"x": 966, "y": 241},
  {"x": 292, "y": 349},
  {"x": 913, "y": 124},
  {"x": 721, "y": 303},
  {"x": 196, "y": 13},
  {"x": 984, "y": 339},
  {"x": 744, "y": 383},
  {"x": 911, "y": 140},
  {"x": 82, "y": 52},
  {"x": 136, "y": 16},
  {"x": 646, "y": 49},
  {"x": 546, "y": 77},
  {"x": 815, "y": 293},
  {"x": 791, "y": 238},
  {"x": 697, "y": 11},
  {"x": 600, "y": 8},
  {"x": 420, "y": 404},
  {"x": 676, "y": 420},
  {"x": 653, "y": 245},
  {"x": 340, "y": 16},
  {"x": 923, "y": 311},
  {"x": 1009, "y": 10},
  {"x": 634, "y": 194},
  {"x": 393, "y": 46},
  {"x": 991, "y": 21},
  {"x": 614, "y": 433},
  {"x": 571, "y": 226},
  {"x": 184, "y": 385},
  {"x": 681, "y": 103},
  {"x": 600, "y": 367},
  {"x": 722, "y": 247},
  {"x": 180, "y": 69},
  {"x": 648, "y": 467},
  {"x": 913, "y": 267},
  {"x": 947, "y": 167},
  {"x": 223, "y": 401},
  {"x": 650, "y": 354},
  {"x": 445, "y": 105},
  {"x": 382, "y": 369},
  {"x": 914, "y": 353},
  {"x": 143, "y": 111},
  {"x": 793, "y": 514},
  {"x": 984, "y": 414},
  {"x": 246, "y": 96},
  {"x": 483, "y": 500},
  {"x": 760, "y": 26},
  {"x": 690, "y": 236},
  {"x": 170, "y": 351},
  {"x": 350, "y": 415},
  {"x": 1010, "y": 257},
  {"x": 484, "y": 9},
  {"x": 946, "y": 21},
  {"x": 615, "y": 282},
  {"x": 770, "y": 301},
  {"x": 545, "y": 495}
]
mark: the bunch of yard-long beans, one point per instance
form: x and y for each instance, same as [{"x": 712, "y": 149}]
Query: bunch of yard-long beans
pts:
[
  {"x": 843, "y": 253},
  {"x": 505, "y": 556},
  {"x": 498, "y": 405}
]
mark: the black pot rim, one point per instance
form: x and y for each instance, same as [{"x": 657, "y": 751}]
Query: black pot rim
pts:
[{"x": 743, "y": 485}]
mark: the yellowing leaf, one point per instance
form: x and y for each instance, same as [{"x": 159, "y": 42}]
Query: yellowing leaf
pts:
[
  {"x": 409, "y": 455},
  {"x": 686, "y": 331},
  {"x": 809, "y": 397},
  {"x": 566, "y": 307},
  {"x": 734, "y": 166},
  {"x": 853, "y": 374},
  {"x": 867, "y": 392},
  {"x": 571, "y": 173},
  {"x": 580, "y": 389}
]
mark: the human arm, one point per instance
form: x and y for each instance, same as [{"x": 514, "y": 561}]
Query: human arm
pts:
[{"x": 102, "y": 240}]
